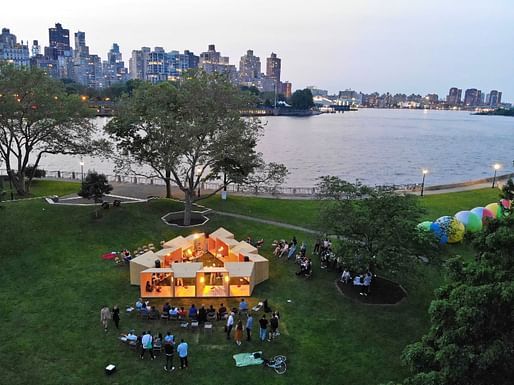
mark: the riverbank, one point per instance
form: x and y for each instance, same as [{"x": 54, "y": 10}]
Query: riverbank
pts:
[{"x": 497, "y": 112}]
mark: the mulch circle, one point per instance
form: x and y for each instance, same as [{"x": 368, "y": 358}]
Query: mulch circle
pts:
[
  {"x": 382, "y": 292},
  {"x": 180, "y": 221}
]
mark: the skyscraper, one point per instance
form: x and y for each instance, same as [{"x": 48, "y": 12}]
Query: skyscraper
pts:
[
  {"x": 494, "y": 99},
  {"x": 249, "y": 67},
  {"x": 472, "y": 97},
  {"x": 59, "y": 39},
  {"x": 454, "y": 96},
  {"x": 273, "y": 64}
]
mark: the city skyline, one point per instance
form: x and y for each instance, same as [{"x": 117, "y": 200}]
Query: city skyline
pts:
[{"x": 401, "y": 47}]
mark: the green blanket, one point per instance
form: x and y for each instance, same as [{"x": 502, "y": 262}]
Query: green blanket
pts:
[{"x": 247, "y": 359}]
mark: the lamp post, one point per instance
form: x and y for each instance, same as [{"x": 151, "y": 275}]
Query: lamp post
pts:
[
  {"x": 496, "y": 168},
  {"x": 82, "y": 170},
  {"x": 198, "y": 171},
  {"x": 425, "y": 171}
]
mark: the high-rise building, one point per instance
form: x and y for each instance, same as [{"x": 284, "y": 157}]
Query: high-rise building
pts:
[
  {"x": 59, "y": 42},
  {"x": 472, "y": 97},
  {"x": 114, "y": 67},
  {"x": 211, "y": 56},
  {"x": 211, "y": 61},
  {"x": 273, "y": 66},
  {"x": 494, "y": 99},
  {"x": 286, "y": 89},
  {"x": 36, "y": 48},
  {"x": 249, "y": 68},
  {"x": 454, "y": 96},
  {"x": 180, "y": 62},
  {"x": 81, "y": 59},
  {"x": 11, "y": 51}
]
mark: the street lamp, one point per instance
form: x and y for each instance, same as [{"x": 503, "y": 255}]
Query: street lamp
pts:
[
  {"x": 425, "y": 171},
  {"x": 82, "y": 170},
  {"x": 198, "y": 171},
  {"x": 496, "y": 168}
]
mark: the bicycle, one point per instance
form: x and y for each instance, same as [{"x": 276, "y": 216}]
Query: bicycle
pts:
[{"x": 278, "y": 363}]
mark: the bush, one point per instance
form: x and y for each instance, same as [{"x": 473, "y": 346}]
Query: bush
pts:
[{"x": 38, "y": 172}]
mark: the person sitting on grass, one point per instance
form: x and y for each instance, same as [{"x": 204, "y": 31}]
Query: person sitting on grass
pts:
[
  {"x": 182, "y": 313},
  {"x": 211, "y": 312},
  {"x": 278, "y": 249},
  {"x": 166, "y": 308},
  {"x": 285, "y": 250},
  {"x": 173, "y": 312},
  {"x": 154, "y": 313},
  {"x": 139, "y": 304}
]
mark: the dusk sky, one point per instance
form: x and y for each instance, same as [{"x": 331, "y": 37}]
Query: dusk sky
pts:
[{"x": 368, "y": 45}]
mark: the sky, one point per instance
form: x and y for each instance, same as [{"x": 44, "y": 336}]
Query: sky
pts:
[{"x": 408, "y": 46}]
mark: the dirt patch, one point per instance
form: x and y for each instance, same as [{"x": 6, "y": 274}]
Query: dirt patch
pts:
[{"x": 382, "y": 292}]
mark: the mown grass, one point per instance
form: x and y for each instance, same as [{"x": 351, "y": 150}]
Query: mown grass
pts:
[{"x": 54, "y": 284}]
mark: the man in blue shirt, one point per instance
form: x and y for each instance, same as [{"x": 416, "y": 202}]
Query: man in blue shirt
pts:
[
  {"x": 182, "y": 353},
  {"x": 243, "y": 305}
]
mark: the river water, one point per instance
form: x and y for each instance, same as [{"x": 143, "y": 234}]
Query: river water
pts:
[{"x": 376, "y": 146}]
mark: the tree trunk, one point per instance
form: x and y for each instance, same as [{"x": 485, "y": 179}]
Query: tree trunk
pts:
[
  {"x": 168, "y": 184},
  {"x": 18, "y": 180},
  {"x": 188, "y": 207}
]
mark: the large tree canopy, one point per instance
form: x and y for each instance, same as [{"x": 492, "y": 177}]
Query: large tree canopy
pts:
[
  {"x": 37, "y": 117},
  {"x": 374, "y": 226},
  {"x": 187, "y": 133},
  {"x": 471, "y": 338}
]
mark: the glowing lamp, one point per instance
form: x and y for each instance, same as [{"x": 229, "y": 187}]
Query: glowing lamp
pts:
[
  {"x": 220, "y": 249},
  {"x": 202, "y": 279},
  {"x": 189, "y": 252},
  {"x": 227, "y": 278}
]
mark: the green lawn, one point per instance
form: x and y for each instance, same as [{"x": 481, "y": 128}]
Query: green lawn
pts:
[
  {"x": 41, "y": 188},
  {"x": 54, "y": 284},
  {"x": 438, "y": 205}
]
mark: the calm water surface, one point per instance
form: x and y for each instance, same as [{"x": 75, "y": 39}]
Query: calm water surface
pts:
[{"x": 375, "y": 146}]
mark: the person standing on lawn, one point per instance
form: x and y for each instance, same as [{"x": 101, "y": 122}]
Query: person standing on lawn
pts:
[
  {"x": 249, "y": 327},
  {"x": 147, "y": 344},
  {"x": 239, "y": 332},
  {"x": 105, "y": 316},
  {"x": 263, "y": 323},
  {"x": 168, "y": 351},
  {"x": 116, "y": 316},
  {"x": 182, "y": 354},
  {"x": 230, "y": 324}
]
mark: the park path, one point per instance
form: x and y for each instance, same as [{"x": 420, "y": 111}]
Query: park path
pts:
[{"x": 265, "y": 221}]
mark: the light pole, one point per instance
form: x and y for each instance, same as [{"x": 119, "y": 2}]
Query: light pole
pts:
[
  {"x": 425, "y": 171},
  {"x": 82, "y": 170},
  {"x": 198, "y": 171},
  {"x": 496, "y": 168}
]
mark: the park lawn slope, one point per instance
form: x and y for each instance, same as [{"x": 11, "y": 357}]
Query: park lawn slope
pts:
[{"x": 54, "y": 284}]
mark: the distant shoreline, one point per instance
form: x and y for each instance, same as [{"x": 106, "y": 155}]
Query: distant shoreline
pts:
[{"x": 498, "y": 112}]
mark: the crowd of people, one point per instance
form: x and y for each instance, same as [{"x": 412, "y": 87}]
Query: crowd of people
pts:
[{"x": 362, "y": 280}]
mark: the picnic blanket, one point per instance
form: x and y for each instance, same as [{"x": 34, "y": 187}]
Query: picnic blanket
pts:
[
  {"x": 110, "y": 255},
  {"x": 247, "y": 359}
]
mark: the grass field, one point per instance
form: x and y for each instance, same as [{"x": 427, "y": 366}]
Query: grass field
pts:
[{"x": 54, "y": 284}]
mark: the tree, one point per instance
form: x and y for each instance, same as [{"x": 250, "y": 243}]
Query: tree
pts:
[
  {"x": 302, "y": 99},
  {"x": 471, "y": 337},
  {"x": 188, "y": 133},
  {"x": 507, "y": 191},
  {"x": 374, "y": 226},
  {"x": 95, "y": 186},
  {"x": 37, "y": 117}
]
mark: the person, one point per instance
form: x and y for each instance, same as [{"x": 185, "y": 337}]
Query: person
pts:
[
  {"x": 126, "y": 256},
  {"x": 182, "y": 313},
  {"x": 146, "y": 342},
  {"x": 116, "y": 316},
  {"x": 230, "y": 324},
  {"x": 303, "y": 249},
  {"x": 249, "y": 326},
  {"x": 168, "y": 351},
  {"x": 317, "y": 246},
  {"x": 222, "y": 312},
  {"x": 169, "y": 339},
  {"x": 149, "y": 287},
  {"x": 105, "y": 315},
  {"x": 284, "y": 250},
  {"x": 166, "y": 308},
  {"x": 278, "y": 249},
  {"x": 211, "y": 312},
  {"x": 131, "y": 336},
  {"x": 239, "y": 332},
  {"x": 154, "y": 313},
  {"x": 193, "y": 312},
  {"x": 173, "y": 312},
  {"x": 367, "y": 283},
  {"x": 263, "y": 323},
  {"x": 345, "y": 277},
  {"x": 273, "y": 326},
  {"x": 182, "y": 354},
  {"x": 202, "y": 315},
  {"x": 361, "y": 283},
  {"x": 139, "y": 304},
  {"x": 243, "y": 305}
]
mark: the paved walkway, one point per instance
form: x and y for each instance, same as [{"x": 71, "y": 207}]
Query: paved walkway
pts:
[{"x": 266, "y": 221}]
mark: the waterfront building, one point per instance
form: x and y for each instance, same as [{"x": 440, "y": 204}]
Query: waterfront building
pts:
[
  {"x": 11, "y": 51},
  {"x": 454, "y": 96},
  {"x": 273, "y": 67},
  {"x": 315, "y": 91},
  {"x": 472, "y": 97},
  {"x": 494, "y": 99},
  {"x": 286, "y": 89},
  {"x": 211, "y": 61},
  {"x": 249, "y": 68}
]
